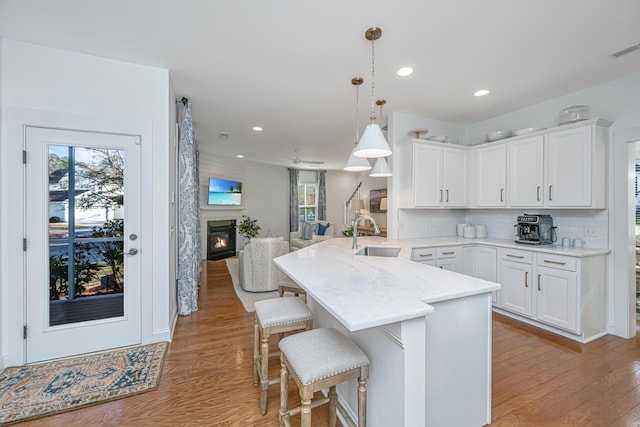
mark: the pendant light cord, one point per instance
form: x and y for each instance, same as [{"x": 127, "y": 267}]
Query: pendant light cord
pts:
[
  {"x": 357, "y": 113},
  {"x": 373, "y": 81}
]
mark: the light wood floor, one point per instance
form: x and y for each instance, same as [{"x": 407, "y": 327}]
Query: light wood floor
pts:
[{"x": 539, "y": 379}]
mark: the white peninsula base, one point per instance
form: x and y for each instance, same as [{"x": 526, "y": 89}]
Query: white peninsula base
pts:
[{"x": 426, "y": 371}]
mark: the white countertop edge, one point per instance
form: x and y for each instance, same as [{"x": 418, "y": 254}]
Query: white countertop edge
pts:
[{"x": 429, "y": 242}]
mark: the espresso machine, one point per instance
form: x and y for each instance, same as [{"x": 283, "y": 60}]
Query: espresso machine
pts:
[{"x": 535, "y": 230}]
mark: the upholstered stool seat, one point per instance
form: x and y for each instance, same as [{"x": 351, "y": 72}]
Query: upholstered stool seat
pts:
[
  {"x": 319, "y": 359},
  {"x": 288, "y": 285},
  {"x": 274, "y": 316}
]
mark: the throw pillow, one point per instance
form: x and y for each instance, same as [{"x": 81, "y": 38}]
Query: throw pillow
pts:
[
  {"x": 307, "y": 230},
  {"x": 322, "y": 229}
]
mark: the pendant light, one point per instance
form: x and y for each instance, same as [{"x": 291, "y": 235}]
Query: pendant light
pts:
[
  {"x": 381, "y": 167},
  {"x": 373, "y": 143},
  {"x": 357, "y": 164}
]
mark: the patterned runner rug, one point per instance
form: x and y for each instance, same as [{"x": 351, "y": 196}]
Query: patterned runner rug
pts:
[{"x": 47, "y": 388}]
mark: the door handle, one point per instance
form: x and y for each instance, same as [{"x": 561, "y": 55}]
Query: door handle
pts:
[
  {"x": 447, "y": 196},
  {"x": 538, "y": 193},
  {"x": 539, "y": 288},
  {"x": 440, "y": 196},
  {"x": 550, "y": 187},
  {"x": 132, "y": 251},
  {"x": 526, "y": 279},
  {"x": 502, "y": 194}
]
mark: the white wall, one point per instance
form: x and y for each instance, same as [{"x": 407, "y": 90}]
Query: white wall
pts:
[{"x": 58, "y": 83}]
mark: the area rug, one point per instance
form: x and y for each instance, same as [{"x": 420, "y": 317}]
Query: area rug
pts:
[
  {"x": 246, "y": 298},
  {"x": 48, "y": 388}
]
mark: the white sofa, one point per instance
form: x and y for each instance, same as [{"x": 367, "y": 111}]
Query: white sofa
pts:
[
  {"x": 258, "y": 273},
  {"x": 297, "y": 242}
]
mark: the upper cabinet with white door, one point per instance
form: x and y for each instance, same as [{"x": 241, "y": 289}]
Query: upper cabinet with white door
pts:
[
  {"x": 564, "y": 168},
  {"x": 491, "y": 176},
  {"x": 432, "y": 175}
]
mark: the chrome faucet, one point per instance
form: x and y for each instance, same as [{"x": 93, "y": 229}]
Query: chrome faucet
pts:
[{"x": 376, "y": 229}]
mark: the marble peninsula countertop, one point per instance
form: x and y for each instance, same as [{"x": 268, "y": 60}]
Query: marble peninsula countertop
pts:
[{"x": 368, "y": 291}]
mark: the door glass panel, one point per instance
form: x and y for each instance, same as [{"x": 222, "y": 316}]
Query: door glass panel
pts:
[{"x": 86, "y": 229}]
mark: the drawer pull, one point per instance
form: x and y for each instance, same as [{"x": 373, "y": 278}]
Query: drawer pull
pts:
[
  {"x": 515, "y": 256},
  {"x": 448, "y": 253},
  {"x": 555, "y": 262},
  {"x": 425, "y": 255},
  {"x": 539, "y": 288},
  {"x": 526, "y": 279}
]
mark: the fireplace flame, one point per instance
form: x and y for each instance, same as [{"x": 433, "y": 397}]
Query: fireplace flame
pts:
[{"x": 220, "y": 243}]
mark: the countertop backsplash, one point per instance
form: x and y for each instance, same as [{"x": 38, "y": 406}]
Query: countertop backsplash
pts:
[{"x": 419, "y": 223}]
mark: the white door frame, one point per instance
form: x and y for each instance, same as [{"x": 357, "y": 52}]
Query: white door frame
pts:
[
  {"x": 621, "y": 277},
  {"x": 12, "y": 224}
]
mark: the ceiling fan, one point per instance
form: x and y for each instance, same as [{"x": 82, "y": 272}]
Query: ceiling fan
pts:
[{"x": 297, "y": 160}]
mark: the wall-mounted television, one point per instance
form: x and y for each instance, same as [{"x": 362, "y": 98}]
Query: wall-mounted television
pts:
[{"x": 224, "y": 192}]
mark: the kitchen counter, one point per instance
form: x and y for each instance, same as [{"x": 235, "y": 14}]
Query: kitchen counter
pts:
[
  {"x": 364, "y": 292},
  {"x": 502, "y": 243},
  {"x": 426, "y": 331}
]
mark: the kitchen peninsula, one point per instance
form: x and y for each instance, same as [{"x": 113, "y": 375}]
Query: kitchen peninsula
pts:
[{"x": 427, "y": 331}]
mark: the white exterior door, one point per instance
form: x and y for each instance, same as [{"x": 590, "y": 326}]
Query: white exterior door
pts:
[{"x": 82, "y": 242}]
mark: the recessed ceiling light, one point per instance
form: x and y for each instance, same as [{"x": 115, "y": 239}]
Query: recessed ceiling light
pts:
[
  {"x": 405, "y": 71},
  {"x": 240, "y": 156},
  {"x": 257, "y": 128},
  {"x": 481, "y": 92}
]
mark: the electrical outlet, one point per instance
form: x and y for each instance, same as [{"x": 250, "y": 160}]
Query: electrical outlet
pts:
[{"x": 590, "y": 231}]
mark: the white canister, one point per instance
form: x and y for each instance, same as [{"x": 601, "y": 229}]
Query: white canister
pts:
[
  {"x": 469, "y": 231},
  {"x": 460, "y": 230},
  {"x": 481, "y": 231}
]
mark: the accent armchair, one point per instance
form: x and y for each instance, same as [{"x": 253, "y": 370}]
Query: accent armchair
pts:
[{"x": 258, "y": 273}]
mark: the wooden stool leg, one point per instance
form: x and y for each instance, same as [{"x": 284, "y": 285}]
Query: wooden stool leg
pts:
[
  {"x": 362, "y": 402},
  {"x": 333, "y": 396},
  {"x": 264, "y": 371},
  {"x": 256, "y": 352},
  {"x": 284, "y": 392},
  {"x": 305, "y": 413}
]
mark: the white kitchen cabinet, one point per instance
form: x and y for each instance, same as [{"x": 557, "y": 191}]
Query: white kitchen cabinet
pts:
[
  {"x": 432, "y": 175},
  {"x": 447, "y": 258},
  {"x": 491, "y": 176},
  {"x": 576, "y": 163},
  {"x": 516, "y": 272},
  {"x": 481, "y": 262},
  {"x": 557, "y": 298},
  {"x": 526, "y": 172}
]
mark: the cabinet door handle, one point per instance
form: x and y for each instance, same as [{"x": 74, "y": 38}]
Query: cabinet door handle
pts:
[
  {"x": 425, "y": 255},
  {"x": 448, "y": 253},
  {"x": 538, "y": 193},
  {"x": 550, "y": 187},
  {"x": 515, "y": 256},
  {"x": 526, "y": 279},
  {"x": 447, "y": 196},
  {"x": 502, "y": 194},
  {"x": 555, "y": 262},
  {"x": 539, "y": 288},
  {"x": 440, "y": 196}
]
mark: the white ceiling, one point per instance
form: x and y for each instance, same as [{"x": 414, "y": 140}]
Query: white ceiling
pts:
[{"x": 286, "y": 65}]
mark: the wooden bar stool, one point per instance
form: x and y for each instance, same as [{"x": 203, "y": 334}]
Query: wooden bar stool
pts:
[
  {"x": 316, "y": 360},
  {"x": 289, "y": 285},
  {"x": 275, "y": 316}
]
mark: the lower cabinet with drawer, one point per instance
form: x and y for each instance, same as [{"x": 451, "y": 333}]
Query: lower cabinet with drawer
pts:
[
  {"x": 559, "y": 293},
  {"x": 445, "y": 257}
]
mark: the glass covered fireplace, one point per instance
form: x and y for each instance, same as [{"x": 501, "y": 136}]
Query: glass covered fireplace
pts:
[{"x": 221, "y": 239}]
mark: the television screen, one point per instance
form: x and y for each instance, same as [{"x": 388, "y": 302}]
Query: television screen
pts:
[{"x": 224, "y": 192}]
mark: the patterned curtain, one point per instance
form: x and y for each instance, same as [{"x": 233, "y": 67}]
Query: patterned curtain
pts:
[
  {"x": 293, "y": 199},
  {"x": 322, "y": 196},
  {"x": 189, "y": 251}
]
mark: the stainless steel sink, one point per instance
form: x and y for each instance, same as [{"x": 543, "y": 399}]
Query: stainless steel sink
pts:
[{"x": 386, "y": 251}]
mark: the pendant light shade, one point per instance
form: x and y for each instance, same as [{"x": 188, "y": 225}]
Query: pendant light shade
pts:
[
  {"x": 372, "y": 144},
  {"x": 381, "y": 168},
  {"x": 357, "y": 164}
]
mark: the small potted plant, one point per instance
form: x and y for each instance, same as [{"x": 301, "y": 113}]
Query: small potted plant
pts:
[{"x": 248, "y": 227}]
